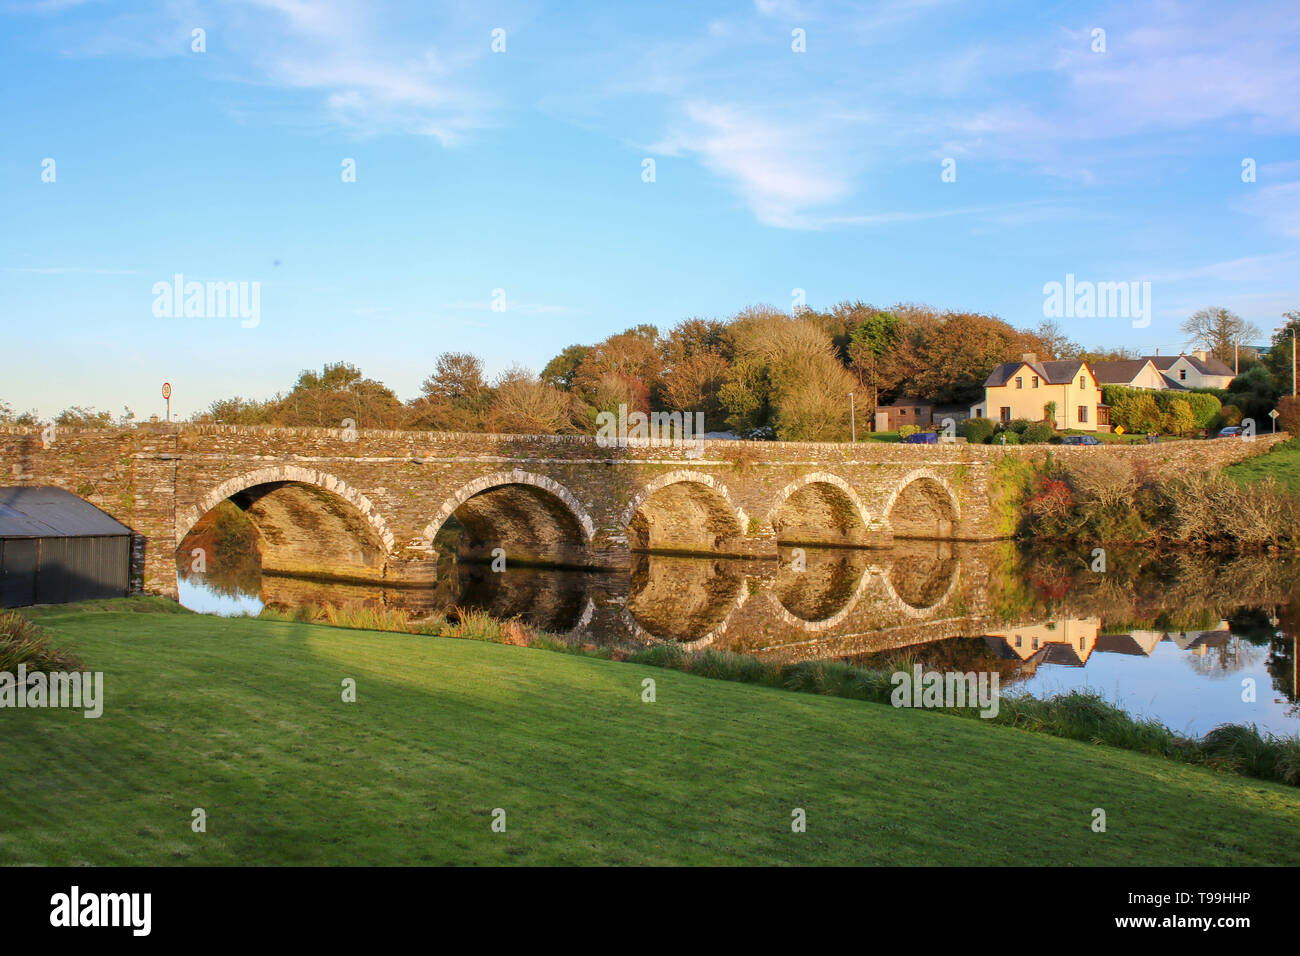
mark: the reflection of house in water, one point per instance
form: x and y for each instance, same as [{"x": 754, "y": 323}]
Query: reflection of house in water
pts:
[
  {"x": 1068, "y": 642},
  {"x": 1132, "y": 642},
  {"x": 1201, "y": 641}
]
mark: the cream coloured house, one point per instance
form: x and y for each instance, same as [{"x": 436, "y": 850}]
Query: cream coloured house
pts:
[
  {"x": 1197, "y": 370},
  {"x": 1026, "y": 388},
  {"x": 1068, "y": 641}
]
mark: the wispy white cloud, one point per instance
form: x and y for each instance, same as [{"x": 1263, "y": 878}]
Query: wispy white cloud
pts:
[
  {"x": 1004, "y": 213},
  {"x": 376, "y": 69},
  {"x": 1277, "y": 205},
  {"x": 781, "y": 168},
  {"x": 1261, "y": 268},
  {"x": 1038, "y": 96}
]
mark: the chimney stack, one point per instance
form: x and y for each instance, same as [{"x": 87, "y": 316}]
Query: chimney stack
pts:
[{"x": 1029, "y": 358}]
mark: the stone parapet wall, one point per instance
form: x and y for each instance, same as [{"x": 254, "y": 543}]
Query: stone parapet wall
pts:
[{"x": 539, "y": 498}]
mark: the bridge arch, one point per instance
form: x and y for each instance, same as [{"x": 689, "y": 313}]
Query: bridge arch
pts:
[
  {"x": 308, "y": 522},
  {"x": 682, "y": 510},
  {"x": 501, "y": 479},
  {"x": 286, "y": 474},
  {"x": 820, "y": 508},
  {"x": 922, "y": 500},
  {"x": 531, "y": 518}
]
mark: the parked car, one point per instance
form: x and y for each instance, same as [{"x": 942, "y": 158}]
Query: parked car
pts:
[
  {"x": 1079, "y": 440},
  {"x": 1232, "y": 431},
  {"x": 922, "y": 438}
]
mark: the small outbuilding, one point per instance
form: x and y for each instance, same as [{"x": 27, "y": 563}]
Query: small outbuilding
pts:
[
  {"x": 905, "y": 411},
  {"x": 56, "y": 547}
]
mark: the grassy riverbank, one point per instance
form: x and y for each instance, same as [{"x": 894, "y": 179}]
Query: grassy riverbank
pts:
[
  {"x": 1281, "y": 463},
  {"x": 243, "y": 718}
]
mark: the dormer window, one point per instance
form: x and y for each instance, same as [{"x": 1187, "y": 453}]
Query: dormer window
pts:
[{"x": 1182, "y": 374}]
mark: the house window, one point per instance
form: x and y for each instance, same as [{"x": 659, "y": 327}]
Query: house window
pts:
[
  {"x": 1019, "y": 642},
  {"x": 1083, "y": 413},
  {"x": 902, "y": 411},
  {"x": 1083, "y": 383},
  {"x": 1020, "y": 382},
  {"x": 1035, "y": 643},
  {"x": 1006, "y": 413},
  {"x": 1034, "y": 381},
  {"x": 1182, "y": 375}
]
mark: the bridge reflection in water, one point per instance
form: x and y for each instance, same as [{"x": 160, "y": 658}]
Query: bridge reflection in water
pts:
[{"x": 1046, "y": 623}]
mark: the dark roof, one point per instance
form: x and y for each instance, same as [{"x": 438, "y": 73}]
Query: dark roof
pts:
[
  {"x": 38, "y": 512},
  {"x": 1061, "y": 654},
  {"x": 1120, "y": 372},
  {"x": 1170, "y": 383},
  {"x": 1118, "y": 644},
  {"x": 1053, "y": 373},
  {"x": 1001, "y": 647},
  {"x": 1206, "y": 366}
]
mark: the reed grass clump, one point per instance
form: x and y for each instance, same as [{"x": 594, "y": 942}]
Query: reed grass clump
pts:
[{"x": 22, "y": 642}]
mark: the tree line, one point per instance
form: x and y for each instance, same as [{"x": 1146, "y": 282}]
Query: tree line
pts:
[{"x": 762, "y": 373}]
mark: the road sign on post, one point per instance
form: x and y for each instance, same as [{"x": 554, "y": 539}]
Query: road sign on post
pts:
[{"x": 167, "y": 394}]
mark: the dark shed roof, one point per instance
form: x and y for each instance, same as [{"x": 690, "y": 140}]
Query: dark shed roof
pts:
[{"x": 39, "y": 512}]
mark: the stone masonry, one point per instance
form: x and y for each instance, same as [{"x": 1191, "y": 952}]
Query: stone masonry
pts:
[{"x": 368, "y": 505}]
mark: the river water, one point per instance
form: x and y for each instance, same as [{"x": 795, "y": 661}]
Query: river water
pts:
[{"x": 1192, "y": 641}]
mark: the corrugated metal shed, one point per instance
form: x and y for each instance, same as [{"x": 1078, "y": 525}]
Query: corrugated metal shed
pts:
[
  {"x": 56, "y": 547},
  {"x": 53, "y": 513}
]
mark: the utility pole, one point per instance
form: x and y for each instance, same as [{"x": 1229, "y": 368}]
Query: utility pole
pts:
[{"x": 853, "y": 420}]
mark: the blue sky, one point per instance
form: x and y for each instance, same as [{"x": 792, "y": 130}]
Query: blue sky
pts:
[{"x": 521, "y": 170}]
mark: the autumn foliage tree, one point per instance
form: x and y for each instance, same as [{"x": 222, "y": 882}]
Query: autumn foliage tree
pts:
[{"x": 523, "y": 404}]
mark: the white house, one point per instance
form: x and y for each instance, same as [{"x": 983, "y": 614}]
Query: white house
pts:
[{"x": 1197, "y": 370}]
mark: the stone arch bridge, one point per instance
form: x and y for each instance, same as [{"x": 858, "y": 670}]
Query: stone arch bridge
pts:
[{"x": 373, "y": 506}]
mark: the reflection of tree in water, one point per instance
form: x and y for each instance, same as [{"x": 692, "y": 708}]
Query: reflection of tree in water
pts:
[
  {"x": 1223, "y": 656},
  {"x": 1282, "y": 657},
  {"x": 1145, "y": 588},
  {"x": 682, "y": 598},
  {"x": 232, "y": 557},
  {"x": 825, "y": 586}
]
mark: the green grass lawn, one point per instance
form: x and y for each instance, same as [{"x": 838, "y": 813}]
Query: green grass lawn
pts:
[
  {"x": 244, "y": 719},
  {"x": 1281, "y": 462}
]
